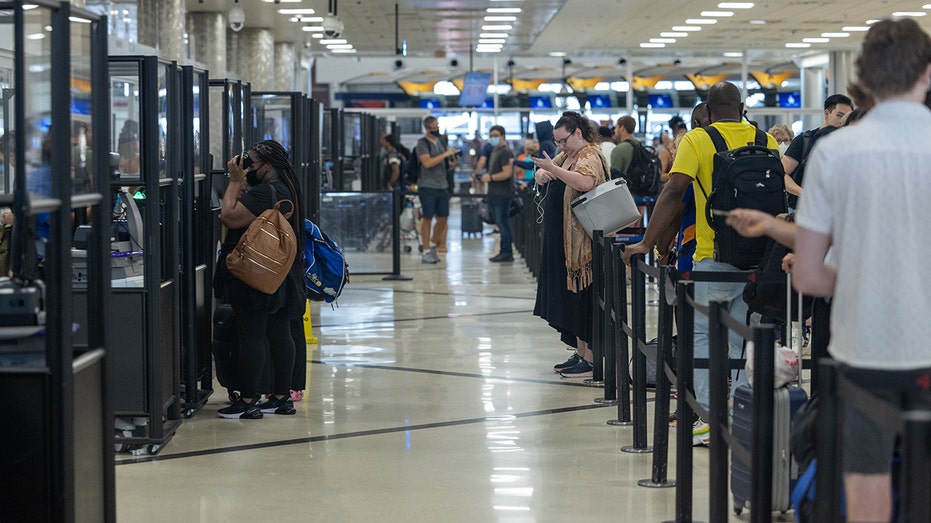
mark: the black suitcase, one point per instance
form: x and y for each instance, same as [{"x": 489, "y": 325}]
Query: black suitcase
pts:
[
  {"x": 471, "y": 220},
  {"x": 785, "y": 470}
]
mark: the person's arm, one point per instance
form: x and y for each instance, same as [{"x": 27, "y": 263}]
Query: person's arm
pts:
[
  {"x": 753, "y": 224},
  {"x": 577, "y": 181},
  {"x": 664, "y": 213},
  {"x": 233, "y": 214},
  {"x": 432, "y": 161},
  {"x": 810, "y": 275},
  {"x": 395, "y": 174},
  {"x": 479, "y": 165},
  {"x": 506, "y": 173}
]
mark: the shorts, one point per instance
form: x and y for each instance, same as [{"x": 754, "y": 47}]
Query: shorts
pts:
[{"x": 433, "y": 202}]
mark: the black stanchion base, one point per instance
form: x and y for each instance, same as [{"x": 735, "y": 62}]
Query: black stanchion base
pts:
[
  {"x": 604, "y": 401},
  {"x": 630, "y": 449},
  {"x": 619, "y": 423},
  {"x": 649, "y": 483},
  {"x": 593, "y": 383},
  {"x": 677, "y": 521},
  {"x": 397, "y": 277}
]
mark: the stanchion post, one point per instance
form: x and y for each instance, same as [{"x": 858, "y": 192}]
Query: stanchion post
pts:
[
  {"x": 761, "y": 446},
  {"x": 638, "y": 320},
  {"x": 685, "y": 325},
  {"x": 917, "y": 484},
  {"x": 658, "y": 477},
  {"x": 621, "y": 341},
  {"x": 396, "y": 208},
  {"x": 718, "y": 370},
  {"x": 608, "y": 325},
  {"x": 597, "y": 342},
  {"x": 828, "y": 444}
]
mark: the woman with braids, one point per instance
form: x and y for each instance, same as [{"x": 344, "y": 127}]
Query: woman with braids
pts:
[
  {"x": 394, "y": 154},
  {"x": 256, "y": 184},
  {"x": 564, "y": 296}
]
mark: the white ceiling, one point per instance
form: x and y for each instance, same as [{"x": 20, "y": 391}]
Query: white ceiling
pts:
[{"x": 597, "y": 31}]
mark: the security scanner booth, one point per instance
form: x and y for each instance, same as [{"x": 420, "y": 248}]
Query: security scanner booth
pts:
[
  {"x": 144, "y": 318},
  {"x": 332, "y": 150},
  {"x": 55, "y": 360},
  {"x": 197, "y": 250},
  {"x": 313, "y": 167},
  {"x": 230, "y": 129}
]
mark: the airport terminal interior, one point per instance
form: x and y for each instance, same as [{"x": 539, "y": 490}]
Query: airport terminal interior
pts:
[{"x": 430, "y": 393}]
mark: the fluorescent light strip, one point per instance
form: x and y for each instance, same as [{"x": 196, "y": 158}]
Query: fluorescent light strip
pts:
[
  {"x": 663, "y": 40},
  {"x": 673, "y": 34},
  {"x": 701, "y": 21},
  {"x": 652, "y": 45},
  {"x": 313, "y": 28},
  {"x": 492, "y": 41},
  {"x": 909, "y": 13},
  {"x": 503, "y": 10},
  {"x": 816, "y": 40},
  {"x": 835, "y": 35},
  {"x": 733, "y": 54},
  {"x": 855, "y": 28},
  {"x": 735, "y": 5},
  {"x": 334, "y": 41},
  {"x": 502, "y": 27},
  {"x": 343, "y": 51},
  {"x": 339, "y": 46},
  {"x": 796, "y": 45},
  {"x": 717, "y": 14},
  {"x": 493, "y": 35},
  {"x": 296, "y": 11},
  {"x": 500, "y": 18}
]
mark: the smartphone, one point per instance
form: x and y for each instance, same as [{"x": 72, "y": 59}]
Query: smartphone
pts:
[{"x": 246, "y": 161}]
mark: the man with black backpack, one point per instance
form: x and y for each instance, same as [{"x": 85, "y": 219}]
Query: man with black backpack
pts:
[
  {"x": 793, "y": 161},
  {"x": 630, "y": 159},
  {"x": 714, "y": 171}
]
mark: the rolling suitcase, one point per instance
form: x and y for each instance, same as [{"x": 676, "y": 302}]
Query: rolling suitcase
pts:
[{"x": 471, "y": 221}]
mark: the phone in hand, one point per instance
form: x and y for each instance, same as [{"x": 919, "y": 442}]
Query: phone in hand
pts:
[{"x": 246, "y": 161}]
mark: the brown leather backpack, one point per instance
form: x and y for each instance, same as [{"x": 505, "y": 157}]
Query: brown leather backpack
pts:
[{"x": 264, "y": 254}]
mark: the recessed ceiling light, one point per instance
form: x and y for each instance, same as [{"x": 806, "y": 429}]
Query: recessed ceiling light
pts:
[
  {"x": 735, "y": 5},
  {"x": 339, "y": 46},
  {"x": 717, "y": 13},
  {"x": 343, "y": 51},
  {"x": 503, "y": 27},
  {"x": 855, "y": 28},
  {"x": 651, "y": 45},
  {"x": 701, "y": 21},
  {"x": 733, "y": 54},
  {"x": 673, "y": 34},
  {"x": 503, "y": 10},
  {"x": 757, "y": 22},
  {"x": 317, "y": 35},
  {"x": 663, "y": 40},
  {"x": 313, "y": 28},
  {"x": 871, "y": 22},
  {"x": 816, "y": 40},
  {"x": 296, "y": 11},
  {"x": 797, "y": 45},
  {"x": 310, "y": 19},
  {"x": 686, "y": 28},
  {"x": 493, "y": 35},
  {"x": 492, "y": 41},
  {"x": 835, "y": 35},
  {"x": 334, "y": 41},
  {"x": 500, "y": 18},
  {"x": 558, "y": 53},
  {"x": 909, "y": 13}
]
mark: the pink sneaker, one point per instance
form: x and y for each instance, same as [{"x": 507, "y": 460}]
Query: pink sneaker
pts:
[{"x": 297, "y": 395}]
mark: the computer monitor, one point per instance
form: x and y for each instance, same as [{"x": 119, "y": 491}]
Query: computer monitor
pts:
[{"x": 474, "y": 87}]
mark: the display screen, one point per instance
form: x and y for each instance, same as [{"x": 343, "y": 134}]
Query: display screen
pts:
[
  {"x": 791, "y": 99},
  {"x": 541, "y": 102},
  {"x": 599, "y": 101},
  {"x": 473, "y": 89},
  {"x": 660, "y": 101},
  {"x": 430, "y": 103}
]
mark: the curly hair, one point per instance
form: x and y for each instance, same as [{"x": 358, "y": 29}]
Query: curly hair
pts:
[{"x": 571, "y": 120}]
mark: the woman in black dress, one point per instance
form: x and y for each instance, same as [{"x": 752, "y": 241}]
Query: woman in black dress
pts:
[{"x": 564, "y": 296}]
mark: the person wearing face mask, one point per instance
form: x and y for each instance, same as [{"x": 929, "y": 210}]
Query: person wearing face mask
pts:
[
  {"x": 433, "y": 188},
  {"x": 258, "y": 179},
  {"x": 783, "y": 135},
  {"x": 500, "y": 180},
  {"x": 793, "y": 160},
  {"x": 564, "y": 293}
]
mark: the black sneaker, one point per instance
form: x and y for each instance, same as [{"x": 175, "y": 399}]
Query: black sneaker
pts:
[
  {"x": 284, "y": 406},
  {"x": 579, "y": 370},
  {"x": 241, "y": 410},
  {"x": 575, "y": 358},
  {"x": 502, "y": 258}
]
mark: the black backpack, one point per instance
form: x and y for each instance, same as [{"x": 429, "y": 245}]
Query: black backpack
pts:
[
  {"x": 749, "y": 177},
  {"x": 767, "y": 298},
  {"x": 643, "y": 173},
  {"x": 799, "y": 173},
  {"x": 410, "y": 166}
]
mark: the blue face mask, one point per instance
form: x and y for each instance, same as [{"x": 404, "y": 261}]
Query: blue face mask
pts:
[{"x": 494, "y": 141}]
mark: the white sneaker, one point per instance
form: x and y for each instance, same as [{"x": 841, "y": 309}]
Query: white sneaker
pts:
[
  {"x": 701, "y": 434},
  {"x": 430, "y": 257}
]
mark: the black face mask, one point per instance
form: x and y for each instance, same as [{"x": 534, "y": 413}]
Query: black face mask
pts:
[
  {"x": 252, "y": 179},
  {"x": 435, "y": 133}
]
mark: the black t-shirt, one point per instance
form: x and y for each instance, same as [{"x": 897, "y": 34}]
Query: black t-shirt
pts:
[
  {"x": 796, "y": 149},
  {"x": 259, "y": 200}
]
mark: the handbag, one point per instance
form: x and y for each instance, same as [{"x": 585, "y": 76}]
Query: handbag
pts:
[
  {"x": 517, "y": 205},
  {"x": 264, "y": 254},
  {"x": 608, "y": 208}
]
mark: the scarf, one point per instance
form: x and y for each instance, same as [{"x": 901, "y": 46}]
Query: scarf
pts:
[{"x": 589, "y": 162}]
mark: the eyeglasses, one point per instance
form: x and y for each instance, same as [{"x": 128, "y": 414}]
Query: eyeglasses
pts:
[{"x": 562, "y": 141}]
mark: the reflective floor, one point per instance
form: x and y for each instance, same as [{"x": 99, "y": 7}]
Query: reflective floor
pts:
[{"x": 431, "y": 399}]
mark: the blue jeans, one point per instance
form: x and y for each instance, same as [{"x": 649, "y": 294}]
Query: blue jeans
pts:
[
  {"x": 706, "y": 292},
  {"x": 500, "y": 209}
]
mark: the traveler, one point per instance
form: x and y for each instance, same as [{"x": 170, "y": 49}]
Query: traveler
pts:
[
  {"x": 564, "y": 294},
  {"x": 623, "y": 153},
  {"x": 433, "y": 188},
  {"x": 783, "y": 135},
  {"x": 500, "y": 180},
  {"x": 793, "y": 161}
]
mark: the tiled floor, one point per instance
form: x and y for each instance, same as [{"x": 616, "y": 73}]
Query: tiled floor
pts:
[{"x": 431, "y": 399}]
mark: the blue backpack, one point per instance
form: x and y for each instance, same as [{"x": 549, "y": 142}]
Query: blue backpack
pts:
[{"x": 325, "y": 269}]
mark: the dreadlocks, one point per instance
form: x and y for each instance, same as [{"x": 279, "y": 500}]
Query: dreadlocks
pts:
[{"x": 272, "y": 153}]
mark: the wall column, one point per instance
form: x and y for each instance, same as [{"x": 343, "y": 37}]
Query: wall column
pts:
[
  {"x": 207, "y": 34},
  {"x": 286, "y": 64},
  {"x": 257, "y": 58}
]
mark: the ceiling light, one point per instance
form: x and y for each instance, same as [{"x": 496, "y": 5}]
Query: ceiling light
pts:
[
  {"x": 673, "y": 34},
  {"x": 926, "y": 6},
  {"x": 717, "y": 13},
  {"x": 78, "y": 19},
  {"x": 334, "y": 41},
  {"x": 735, "y": 5},
  {"x": 503, "y": 10},
  {"x": 558, "y": 53},
  {"x": 338, "y": 46},
  {"x": 500, "y": 18},
  {"x": 296, "y": 11},
  {"x": 733, "y": 54},
  {"x": 492, "y": 41},
  {"x": 796, "y": 45},
  {"x": 282, "y": 1},
  {"x": 317, "y": 35},
  {"x": 35, "y": 36},
  {"x": 343, "y": 51},
  {"x": 757, "y": 22},
  {"x": 855, "y": 28},
  {"x": 313, "y": 28},
  {"x": 651, "y": 45},
  {"x": 909, "y": 13},
  {"x": 835, "y": 35},
  {"x": 311, "y": 19},
  {"x": 685, "y": 28},
  {"x": 871, "y": 22},
  {"x": 701, "y": 21},
  {"x": 493, "y": 35},
  {"x": 816, "y": 40},
  {"x": 501, "y": 27},
  {"x": 663, "y": 40}
]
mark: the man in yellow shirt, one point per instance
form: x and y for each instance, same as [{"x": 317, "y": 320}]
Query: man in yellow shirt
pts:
[{"x": 694, "y": 164}]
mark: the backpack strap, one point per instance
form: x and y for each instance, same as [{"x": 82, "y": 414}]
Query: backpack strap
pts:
[
  {"x": 761, "y": 138},
  {"x": 720, "y": 146}
]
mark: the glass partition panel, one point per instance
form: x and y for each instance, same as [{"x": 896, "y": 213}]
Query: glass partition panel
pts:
[
  {"x": 217, "y": 136},
  {"x": 8, "y": 99},
  {"x": 37, "y": 105},
  {"x": 361, "y": 224},
  {"x": 273, "y": 115},
  {"x": 198, "y": 99},
  {"x": 164, "y": 79},
  {"x": 82, "y": 157},
  {"x": 230, "y": 128},
  {"x": 125, "y": 104}
]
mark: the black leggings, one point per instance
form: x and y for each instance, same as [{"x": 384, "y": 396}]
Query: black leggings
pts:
[{"x": 254, "y": 326}]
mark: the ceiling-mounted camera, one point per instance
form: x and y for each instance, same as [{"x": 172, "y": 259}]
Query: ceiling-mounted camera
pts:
[
  {"x": 237, "y": 18},
  {"x": 332, "y": 26}
]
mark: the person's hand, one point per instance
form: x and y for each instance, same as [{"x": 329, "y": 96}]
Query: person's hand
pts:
[
  {"x": 234, "y": 166},
  {"x": 542, "y": 176},
  {"x": 787, "y": 261},
  {"x": 544, "y": 162},
  {"x": 750, "y": 223},
  {"x": 631, "y": 250}
]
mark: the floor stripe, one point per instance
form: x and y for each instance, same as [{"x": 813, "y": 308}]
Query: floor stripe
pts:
[
  {"x": 358, "y": 434},
  {"x": 424, "y": 318}
]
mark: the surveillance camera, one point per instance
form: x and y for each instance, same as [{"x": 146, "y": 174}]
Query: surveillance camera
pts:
[
  {"x": 332, "y": 26},
  {"x": 622, "y": 61},
  {"x": 306, "y": 45},
  {"x": 237, "y": 18},
  {"x": 677, "y": 62},
  {"x": 510, "y": 63}
]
